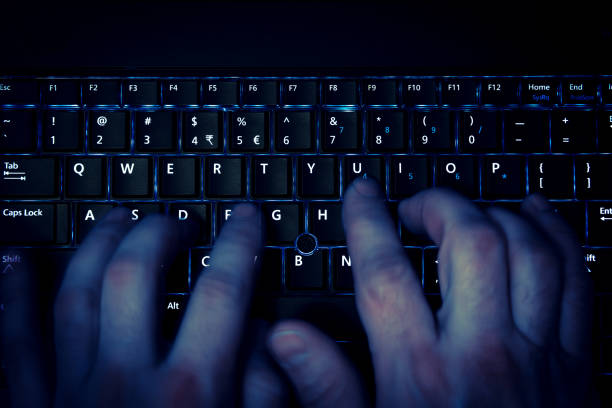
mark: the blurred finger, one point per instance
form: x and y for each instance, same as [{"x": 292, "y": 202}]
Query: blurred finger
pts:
[{"x": 323, "y": 378}]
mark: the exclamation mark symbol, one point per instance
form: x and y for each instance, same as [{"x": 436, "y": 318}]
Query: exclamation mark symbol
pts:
[{"x": 52, "y": 120}]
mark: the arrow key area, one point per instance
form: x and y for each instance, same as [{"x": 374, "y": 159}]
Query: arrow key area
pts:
[{"x": 600, "y": 223}]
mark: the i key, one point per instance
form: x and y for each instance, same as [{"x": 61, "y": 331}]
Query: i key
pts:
[
  {"x": 386, "y": 131},
  {"x": 62, "y": 131},
  {"x": 432, "y": 132},
  {"x": 409, "y": 175},
  {"x": 155, "y": 131}
]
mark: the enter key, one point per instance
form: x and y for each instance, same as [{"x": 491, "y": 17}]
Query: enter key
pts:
[{"x": 600, "y": 223}]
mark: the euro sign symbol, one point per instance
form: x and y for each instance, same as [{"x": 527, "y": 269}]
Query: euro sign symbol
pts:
[{"x": 194, "y": 121}]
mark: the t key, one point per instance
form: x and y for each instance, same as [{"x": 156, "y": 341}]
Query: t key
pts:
[
  {"x": 271, "y": 177},
  {"x": 432, "y": 132}
]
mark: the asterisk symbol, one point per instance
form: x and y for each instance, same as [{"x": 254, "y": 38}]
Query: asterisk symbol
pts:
[{"x": 378, "y": 118}]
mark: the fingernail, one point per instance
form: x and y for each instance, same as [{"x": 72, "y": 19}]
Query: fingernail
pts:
[
  {"x": 243, "y": 210},
  {"x": 539, "y": 203},
  {"x": 367, "y": 187},
  {"x": 289, "y": 347}
]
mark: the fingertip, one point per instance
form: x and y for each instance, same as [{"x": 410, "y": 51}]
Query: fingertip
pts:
[
  {"x": 536, "y": 203},
  {"x": 288, "y": 346},
  {"x": 118, "y": 215},
  {"x": 244, "y": 210}
]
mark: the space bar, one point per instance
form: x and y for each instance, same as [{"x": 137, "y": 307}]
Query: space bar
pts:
[{"x": 33, "y": 223}]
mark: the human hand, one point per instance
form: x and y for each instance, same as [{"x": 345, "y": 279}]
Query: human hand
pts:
[{"x": 513, "y": 330}]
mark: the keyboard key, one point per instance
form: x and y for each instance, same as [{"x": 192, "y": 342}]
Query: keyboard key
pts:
[
  {"x": 294, "y": 131},
  {"x": 17, "y": 131},
  {"x": 132, "y": 177},
  {"x": 358, "y": 166},
  {"x": 499, "y": 91},
  {"x": 420, "y": 92},
  {"x": 459, "y": 173},
  {"x": 573, "y": 131},
  {"x": 138, "y": 211},
  {"x": 605, "y": 132},
  {"x": 260, "y": 92},
  {"x": 300, "y": 92},
  {"x": 599, "y": 264},
  {"x": 479, "y": 131},
  {"x": 200, "y": 262},
  {"x": 503, "y": 177},
  {"x": 271, "y": 177},
  {"x": 224, "y": 212},
  {"x": 325, "y": 222},
  {"x": 34, "y": 223},
  {"x": 459, "y": 91},
  {"x": 340, "y": 92},
  {"x": 574, "y": 214},
  {"x": 174, "y": 306},
  {"x": 61, "y": 92},
  {"x": 409, "y": 175},
  {"x": 539, "y": 91},
  {"x": 108, "y": 131},
  {"x": 269, "y": 269},
  {"x": 386, "y": 131},
  {"x": 101, "y": 92},
  {"x": 284, "y": 222},
  {"x": 306, "y": 272},
  {"x": 179, "y": 177},
  {"x": 224, "y": 177},
  {"x": 432, "y": 132},
  {"x": 177, "y": 275},
  {"x": 318, "y": 177},
  {"x": 606, "y": 92},
  {"x": 578, "y": 91},
  {"x": 202, "y": 131},
  {"x": 19, "y": 92},
  {"x": 600, "y": 223},
  {"x": 526, "y": 131},
  {"x": 221, "y": 92},
  {"x": 431, "y": 283},
  {"x": 198, "y": 213},
  {"x": 155, "y": 131},
  {"x": 415, "y": 257},
  {"x": 141, "y": 92},
  {"x": 88, "y": 215},
  {"x": 593, "y": 177},
  {"x": 552, "y": 176},
  {"x": 181, "y": 92},
  {"x": 29, "y": 177},
  {"x": 342, "y": 274},
  {"x": 85, "y": 177},
  {"x": 62, "y": 131},
  {"x": 342, "y": 131},
  {"x": 380, "y": 92},
  {"x": 249, "y": 131}
]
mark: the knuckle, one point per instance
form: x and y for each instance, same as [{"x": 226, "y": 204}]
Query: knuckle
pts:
[
  {"x": 480, "y": 236},
  {"x": 220, "y": 288},
  {"x": 122, "y": 269}
]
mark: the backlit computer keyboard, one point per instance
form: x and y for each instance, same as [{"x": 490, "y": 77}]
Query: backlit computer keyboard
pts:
[{"x": 72, "y": 148}]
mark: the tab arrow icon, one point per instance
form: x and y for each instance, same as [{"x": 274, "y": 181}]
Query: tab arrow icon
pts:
[{"x": 606, "y": 218}]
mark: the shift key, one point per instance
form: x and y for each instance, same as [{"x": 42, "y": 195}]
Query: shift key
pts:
[
  {"x": 28, "y": 177},
  {"x": 34, "y": 223}
]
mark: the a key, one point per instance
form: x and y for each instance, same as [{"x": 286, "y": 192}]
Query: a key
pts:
[
  {"x": 176, "y": 92},
  {"x": 459, "y": 173},
  {"x": 88, "y": 215},
  {"x": 342, "y": 273},
  {"x": 19, "y": 92},
  {"x": 259, "y": 93},
  {"x": 249, "y": 131},
  {"x": 479, "y": 132},
  {"x": 340, "y": 92},
  {"x": 197, "y": 213},
  {"x": 34, "y": 223},
  {"x": 526, "y": 131},
  {"x": 342, "y": 131},
  {"x": 269, "y": 269},
  {"x": 318, "y": 177},
  {"x": 599, "y": 264},
  {"x": 431, "y": 283},
  {"x": 132, "y": 177},
  {"x": 593, "y": 179},
  {"x": 284, "y": 222},
  {"x": 420, "y": 92},
  {"x": 174, "y": 307},
  {"x": 573, "y": 131},
  {"x": 202, "y": 131},
  {"x": 386, "y": 131},
  {"x": 28, "y": 177},
  {"x": 85, "y": 177},
  {"x": 220, "y": 92},
  {"x": 300, "y": 92},
  {"x": 108, "y": 131},
  {"x": 271, "y": 177},
  {"x": 155, "y": 131},
  {"x": 600, "y": 223},
  {"x": 432, "y": 132},
  {"x": 61, "y": 92},
  {"x": 141, "y": 92},
  {"x": 539, "y": 92},
  {"x": 138, "y": 211},
  {"x": 101, "y": 92},
  {"x": 605, "y": 131},
  {"x": 409, "y": 175},
  {"x": 294, "y": 131},
  {"x": 62, "y": 131},
  {"x": 179, "y": 177},
  {"x": 552, "y": 176},
  {"x": 578, "y": 91},
  {"x": 325, "y": 222},
  {"x": 499, "y": 91},
  {"x": 503, "y": 177},
  {"x": 306, "y": 272},
  {"x": 224, "y": 177},
  {"x": 380, "y": 92},
  {"x": 358, "y": 166},
  {"x": 459, "y": 91},
  {"x": 17, "y": 130}
]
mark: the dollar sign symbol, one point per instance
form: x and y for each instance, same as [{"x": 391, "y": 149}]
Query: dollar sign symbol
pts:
[{"x": 194, "y": 121}]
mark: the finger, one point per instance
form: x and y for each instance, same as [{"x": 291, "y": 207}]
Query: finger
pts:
[
  {"x": 77, "y": 304},
  {"x": 322, "y": 377},
  {"x": 127, "y": 318},
  {"x": 211, "y": 329},
  {"x": 473, "y": 269},
  {"x": 535, "y": 278},
  {"x": 577, "y": 293},
  {"x": 21, "y": 349}
]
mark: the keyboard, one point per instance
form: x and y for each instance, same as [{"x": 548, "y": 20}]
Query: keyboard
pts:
[{"x": 72, "y": 148}]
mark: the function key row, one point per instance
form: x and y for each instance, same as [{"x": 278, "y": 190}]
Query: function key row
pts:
[{"x": 457, "y": 91}]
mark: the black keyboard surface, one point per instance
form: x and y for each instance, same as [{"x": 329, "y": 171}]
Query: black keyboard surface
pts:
[{"x": 72, "y": 148}]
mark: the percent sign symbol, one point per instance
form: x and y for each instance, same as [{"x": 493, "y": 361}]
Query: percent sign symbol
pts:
[{"x": 241, "y": 121}]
